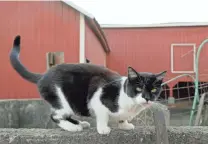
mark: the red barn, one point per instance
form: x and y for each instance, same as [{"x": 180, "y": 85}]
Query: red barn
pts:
[
  {"x": 155, "y": 48},
  {"x": 46, "y": 26},
  {"x": 56, "y": 26}
]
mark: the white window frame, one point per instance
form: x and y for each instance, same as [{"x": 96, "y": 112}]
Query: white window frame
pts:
[{"x": 172, "y": 56}]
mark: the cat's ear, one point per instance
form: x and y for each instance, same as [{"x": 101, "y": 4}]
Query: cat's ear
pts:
[
  {"x": 132, "y": 74},
  {"x": 161, "y": 75}
]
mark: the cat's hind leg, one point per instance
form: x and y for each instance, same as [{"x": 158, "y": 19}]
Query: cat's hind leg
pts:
[
  {"x": 125, "y": 125},
  {"x": 62, "y": 112},
  {"x": 64, "y": 121}
]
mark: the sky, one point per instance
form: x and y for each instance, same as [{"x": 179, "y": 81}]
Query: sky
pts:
[{"x": 135, "y": 12}]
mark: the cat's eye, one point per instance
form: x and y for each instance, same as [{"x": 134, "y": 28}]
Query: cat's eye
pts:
[
  {"x": 153, "y": 90},
  {"x": 138, "y": 89}
]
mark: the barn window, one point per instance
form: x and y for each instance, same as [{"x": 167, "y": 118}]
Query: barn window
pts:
[
  {"x": 183, "y": 57},
  {"x": 54, "y": 58}
]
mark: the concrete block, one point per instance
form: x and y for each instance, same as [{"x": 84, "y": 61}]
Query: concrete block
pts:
[
  {"x": 145, "y": 118},
  {"x": 141, "y": 135},
  {"x": 36, "y": 114},
  {"x": 9, "y": 114}
]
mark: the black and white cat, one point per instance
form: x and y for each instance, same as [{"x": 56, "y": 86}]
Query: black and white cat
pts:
[{"x": 90, "y": 90}]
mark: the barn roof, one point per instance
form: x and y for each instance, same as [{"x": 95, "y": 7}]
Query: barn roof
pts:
[
  {"x": 94, "y": 25},
  {"x": 177, "y": 24}
]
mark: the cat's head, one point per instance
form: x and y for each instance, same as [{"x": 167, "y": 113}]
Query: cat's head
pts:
[{"x": 143, "y": 86}]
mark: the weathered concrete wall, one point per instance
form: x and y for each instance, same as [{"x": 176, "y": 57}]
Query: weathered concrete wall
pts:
[
  {"x": 179, "y": 117},
  {"x": 25, "y": 114},
  {"x": 36, "y": 114},
  {"x": 141, "y": 135}
]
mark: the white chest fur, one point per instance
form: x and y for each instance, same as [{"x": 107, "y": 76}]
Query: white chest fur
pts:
[{"x": 128, "y": 107}]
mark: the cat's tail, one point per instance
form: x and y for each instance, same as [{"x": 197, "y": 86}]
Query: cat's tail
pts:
[{"x": 17, "y": 65}]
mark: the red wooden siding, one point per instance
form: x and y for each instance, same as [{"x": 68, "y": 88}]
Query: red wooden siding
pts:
[
  {"x": 44, "y": 27},
  {"x": 93, "y": 48},
  {"x": 148, "y": 49}
]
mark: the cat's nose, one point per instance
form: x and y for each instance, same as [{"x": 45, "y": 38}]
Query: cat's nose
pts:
[{"x": 147, "y": 99}]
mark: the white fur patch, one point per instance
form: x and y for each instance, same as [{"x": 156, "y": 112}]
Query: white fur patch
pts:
[
  {"x": 84, "y": 124},
  {"x": 128, "y": 107},
  {"x": 66, "y": 108},
  {"x": 104, "y": 130},
  {"x": 101, "y": 113},
  {"x": 69, "y": 126},
  {"x": 140, "y": 100},
  {"x": 126, "y": 126}
]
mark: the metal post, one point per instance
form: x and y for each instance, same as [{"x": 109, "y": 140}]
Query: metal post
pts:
[
  {"x": 160, "y": 127},
  {"x": 196, "y": 95}
]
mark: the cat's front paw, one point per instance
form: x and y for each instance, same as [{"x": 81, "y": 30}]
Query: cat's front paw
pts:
[
  {"x": 126, "y": 126},
  {"x": 103, "y": 130},
  {"x": 85, "y": 124}
]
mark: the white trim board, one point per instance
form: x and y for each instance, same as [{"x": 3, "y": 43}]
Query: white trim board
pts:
[
  {"x": 191, "y": 24},
  {"x": 79, "y": 9},
  {"x": 82, "y": 39},
  {"x": 172, "y": 57}
]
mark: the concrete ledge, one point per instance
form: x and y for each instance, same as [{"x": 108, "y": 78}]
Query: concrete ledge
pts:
[
  {"x": 36, "y": 114},
  {"x": 141, "y": 135}
]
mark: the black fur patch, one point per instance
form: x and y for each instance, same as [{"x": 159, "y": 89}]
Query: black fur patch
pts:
[
  {"x": 75, "y": 88},
  {"x": 17, "y": 41},
  {"x": 121, "y": 121},
  {"x": 110, "y": 95},
  {"x": 72, "y": 120},
  {"x": 78, "y": 83},
  {"x": 68, "y": 118},
  {"x": 53, "y": 119}
]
